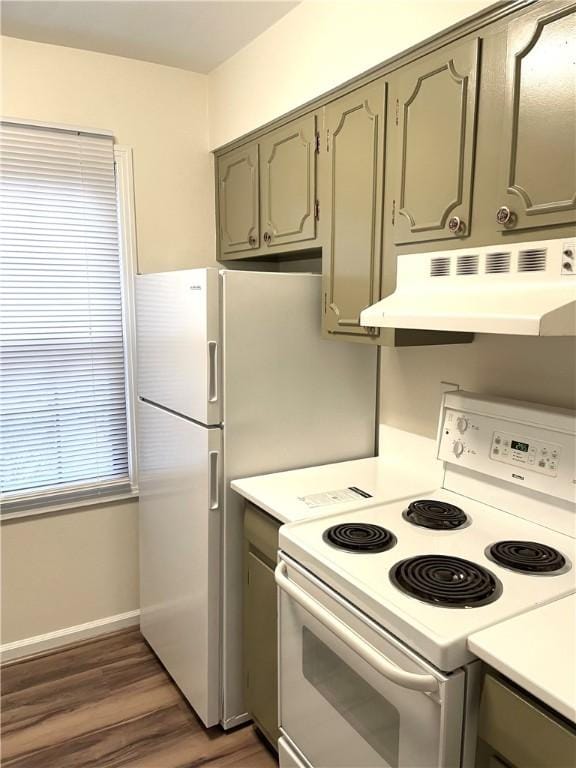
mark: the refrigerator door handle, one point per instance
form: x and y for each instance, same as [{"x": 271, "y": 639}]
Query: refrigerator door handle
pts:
[
  {"x": 212, "y": 371},
  {"x": 214, "y": 480}
]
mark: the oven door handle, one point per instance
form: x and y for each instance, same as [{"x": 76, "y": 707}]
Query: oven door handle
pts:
[{"x": 382, "y": 665}]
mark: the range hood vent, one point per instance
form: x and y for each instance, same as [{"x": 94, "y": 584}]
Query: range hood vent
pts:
[
  {"x": 467, "y": 264},
  {"x": 528, "y": 289},
  {"x": 439, "y": 266},
  {"x": 532, "y": 260},
  {"x": 496, "y": 263}
]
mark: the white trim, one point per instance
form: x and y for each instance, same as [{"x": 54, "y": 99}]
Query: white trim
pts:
[
  {"x": 68, "y": 506},
  {"x": 129, "y": 262},
  {"x": 56, "y": 126},
  {"x": 40, "y": 643}
]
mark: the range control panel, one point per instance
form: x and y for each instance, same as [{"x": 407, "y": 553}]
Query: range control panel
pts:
[
  {"x": 519, "y": 442},
  {"x": 526, "y": 452}
]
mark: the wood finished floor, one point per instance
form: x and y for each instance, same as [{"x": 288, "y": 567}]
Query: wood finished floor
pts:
[{"x": 109, "y": 703}]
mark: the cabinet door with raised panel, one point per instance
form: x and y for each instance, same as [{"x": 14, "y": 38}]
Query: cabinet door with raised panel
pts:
[
  {"x": 433, "y": 116},
  {"x": 238, "y": 200},
  {"x": 288, "y": 183},
  {"x": 353, "y": 170},
  {"x": 260, "y": 620},
  {"x": 538, "y": 169}
]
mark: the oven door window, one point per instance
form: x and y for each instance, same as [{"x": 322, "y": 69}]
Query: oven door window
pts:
[{"x": 375, "y": 720}]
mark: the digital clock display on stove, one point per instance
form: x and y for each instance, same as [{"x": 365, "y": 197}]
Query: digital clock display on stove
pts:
[{"x": 516, "y": 446}]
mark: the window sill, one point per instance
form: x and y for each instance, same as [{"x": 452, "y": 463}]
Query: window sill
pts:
[{"x": 71, "y": 506}]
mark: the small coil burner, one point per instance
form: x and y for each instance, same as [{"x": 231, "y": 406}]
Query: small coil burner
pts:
[
  {"x": 446, "y": 581},
  {"x": 359, "y": 537},
  {"x": 527, "y": 557},
  {"x": 438, "y": 515}
]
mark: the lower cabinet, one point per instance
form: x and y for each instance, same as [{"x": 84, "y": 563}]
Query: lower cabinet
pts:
[
  {"x": 515, "y": 732},
  {"x": 260, "y": 621}
]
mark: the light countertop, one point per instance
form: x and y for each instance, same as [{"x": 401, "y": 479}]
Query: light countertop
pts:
[
  {"x": 536, "y": 650},
  {"x": 314, "y": 491}
]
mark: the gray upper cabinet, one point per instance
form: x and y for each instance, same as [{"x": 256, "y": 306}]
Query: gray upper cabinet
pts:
[
  {"x": 288, "y": 183},
  {"x": 538, "y": 169},
  {"x": 470, "y": 141},
  {"x": 238, "y": 200},
  {"x": 433, "y": 110},
  {"x": 353, "y": 171}
]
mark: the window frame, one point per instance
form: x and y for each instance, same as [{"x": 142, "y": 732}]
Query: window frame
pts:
[{"x": 47, "y": 502}]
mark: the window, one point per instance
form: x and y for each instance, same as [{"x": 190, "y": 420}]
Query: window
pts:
[{"x": 64, "y": 379}]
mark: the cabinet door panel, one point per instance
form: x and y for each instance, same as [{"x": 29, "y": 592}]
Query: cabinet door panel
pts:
[
  {"x": 238, "y": 195},
  {"x": 354, "y": 175},
  {"x": 261, "y": 645},
  {"x": 288, "y": 182},
  {"x": 538, "y": 182},
  {"x": 435, "y": 123}
]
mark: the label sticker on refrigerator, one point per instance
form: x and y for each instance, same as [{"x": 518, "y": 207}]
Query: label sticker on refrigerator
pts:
[{"x": 335, "y": 497}]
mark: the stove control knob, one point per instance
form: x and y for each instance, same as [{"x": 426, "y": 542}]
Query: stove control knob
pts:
[
  {"x": 461, "y": 424},
  {"x": 458, "y": 448}
]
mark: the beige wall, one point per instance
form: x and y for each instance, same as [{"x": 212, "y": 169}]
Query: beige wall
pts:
[
  {"x": 161, "y": 112},
  {"x": 541, "y": 370},
  {"x": 67, "y": 569},
  {"x": 317, "y": 46}
]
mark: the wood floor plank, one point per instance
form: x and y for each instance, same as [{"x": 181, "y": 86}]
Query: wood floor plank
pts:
[
  {"x": 155, "y": 734},
  {"x": 92, "y": 654},
  {"x": 96, "y": 711},
  {"x": 109, "y": 703}
]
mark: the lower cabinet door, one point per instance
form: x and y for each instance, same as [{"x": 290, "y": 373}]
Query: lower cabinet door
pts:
[
  {"x": 517, "y": 732},
  {"x": 353, "y": 175},
  {"x": 261, "y": 641},
  {"x": 260, "y": 621}
]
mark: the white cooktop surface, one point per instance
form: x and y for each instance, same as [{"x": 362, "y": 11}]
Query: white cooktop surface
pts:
[
  {"x": 437, "y": 633},
  {"x": 536, "y": 651}
]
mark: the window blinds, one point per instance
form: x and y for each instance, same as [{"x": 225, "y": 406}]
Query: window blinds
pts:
[{"x": 63, "y": 415}]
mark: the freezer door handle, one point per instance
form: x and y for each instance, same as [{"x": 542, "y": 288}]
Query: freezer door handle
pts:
[
  {"x": 214, "y": 479},
  {"x": 212, "y": 371},
  {"x": 366, "y": 651}
]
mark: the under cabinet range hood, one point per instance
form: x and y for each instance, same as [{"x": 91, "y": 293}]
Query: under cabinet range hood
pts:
[{"x": 521, "y": 288}]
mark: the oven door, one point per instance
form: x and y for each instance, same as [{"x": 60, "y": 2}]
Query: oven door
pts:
[{"x": 353, "y": 695}]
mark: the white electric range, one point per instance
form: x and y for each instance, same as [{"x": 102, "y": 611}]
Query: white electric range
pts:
[{"x": 376, "y": 605}]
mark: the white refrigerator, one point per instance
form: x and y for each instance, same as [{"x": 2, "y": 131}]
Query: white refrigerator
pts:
[{"x": 234, "y": 380}]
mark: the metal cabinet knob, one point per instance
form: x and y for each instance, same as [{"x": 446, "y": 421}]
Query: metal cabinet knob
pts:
[
  {"x": 504, "y": 215},
  {"x": 252, "y": 241},
  {"x": 267, "y": 237},
  {"x": 455, "y": 225}
]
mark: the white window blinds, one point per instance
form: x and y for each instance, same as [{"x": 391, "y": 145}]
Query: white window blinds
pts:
[{"x": 63, "y": 415}]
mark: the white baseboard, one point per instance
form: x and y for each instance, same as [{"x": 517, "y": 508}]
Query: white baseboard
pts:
[{"x": 30, "y": 646}]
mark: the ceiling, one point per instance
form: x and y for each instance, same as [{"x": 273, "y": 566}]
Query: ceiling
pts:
[{"x": 197, "y": 36}]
